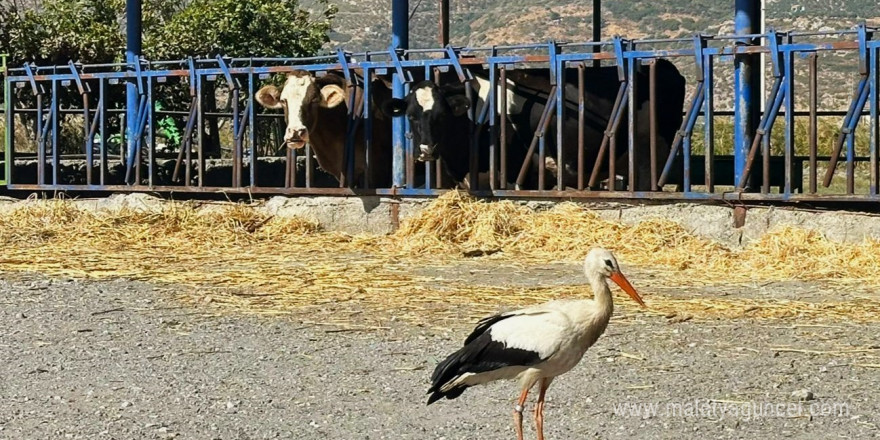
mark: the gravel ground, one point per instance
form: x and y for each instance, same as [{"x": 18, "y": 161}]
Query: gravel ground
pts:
[{"x": 124, "y": 360}]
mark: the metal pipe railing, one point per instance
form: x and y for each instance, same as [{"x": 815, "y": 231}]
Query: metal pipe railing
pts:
[{"x": 36, "y": 95}]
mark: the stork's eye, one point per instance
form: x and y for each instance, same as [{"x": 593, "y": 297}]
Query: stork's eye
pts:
[{"x": 609, "y": 264}]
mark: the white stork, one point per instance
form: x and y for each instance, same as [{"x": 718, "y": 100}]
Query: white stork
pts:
[{"x": 535, "y": 344}]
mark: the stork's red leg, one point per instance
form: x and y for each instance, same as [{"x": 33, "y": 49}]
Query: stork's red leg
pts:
[
  {"x": 517, "y": 413},
  {"x": 539, "y": 408}
]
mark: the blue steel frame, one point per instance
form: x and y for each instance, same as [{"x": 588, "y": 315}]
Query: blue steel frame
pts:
[
  {"x": 405, "y": 65},
  {"x": 747, "y": 73}
]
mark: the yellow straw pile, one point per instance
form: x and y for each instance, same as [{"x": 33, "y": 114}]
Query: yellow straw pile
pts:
[{"x": 239, "y": 257}]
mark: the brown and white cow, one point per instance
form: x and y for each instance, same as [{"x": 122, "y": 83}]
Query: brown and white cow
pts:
[{"x": 316, "y": 112}]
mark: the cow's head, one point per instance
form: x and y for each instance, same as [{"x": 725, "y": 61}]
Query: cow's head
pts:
[
  {"x": 301, "y": 98},
  {"x": 429, "y": 109}
]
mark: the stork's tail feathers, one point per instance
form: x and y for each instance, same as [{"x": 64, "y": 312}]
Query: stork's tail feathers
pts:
[
  {"x": 447, "y": 372},
  {"x": 436, "y": 395}
]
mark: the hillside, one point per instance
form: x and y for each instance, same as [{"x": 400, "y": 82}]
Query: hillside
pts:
[{"x": 366, "y": 25}]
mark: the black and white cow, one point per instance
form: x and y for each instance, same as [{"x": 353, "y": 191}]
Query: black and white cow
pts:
[
  {"x": 440, "y": 126},
  {"x": 316, "y": 112}
]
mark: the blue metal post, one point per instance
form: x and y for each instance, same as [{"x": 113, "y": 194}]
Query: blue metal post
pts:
[
  {"x": 132, "y": 56},
  {"x": 399, "y": 40},
  {"x": 747, "y": 74}
]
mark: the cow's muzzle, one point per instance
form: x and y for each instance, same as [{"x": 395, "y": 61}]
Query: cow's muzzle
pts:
[
  {"x": 427, "y": 153},
  {"x": 296, "y": 139}
]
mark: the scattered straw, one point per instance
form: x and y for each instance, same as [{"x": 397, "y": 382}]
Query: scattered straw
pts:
[
  {"x": 457, "y": 222},
  {"x": 244, "y": 259}
]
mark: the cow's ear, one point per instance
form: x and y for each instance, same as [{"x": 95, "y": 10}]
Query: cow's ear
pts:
[
  {"x": 269, "y": 97},
  {"x": 386, "y": 80},
  {"x": 459, "y": 104},
  {"x": 332, "y": 95},
  {"x": 394, "y": 107}
]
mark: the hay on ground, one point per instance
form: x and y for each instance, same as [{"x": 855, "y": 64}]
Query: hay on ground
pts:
[{"x": 245, "y": 259}]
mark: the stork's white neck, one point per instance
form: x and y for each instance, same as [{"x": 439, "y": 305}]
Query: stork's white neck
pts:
[{"x": 601, "y": 293}]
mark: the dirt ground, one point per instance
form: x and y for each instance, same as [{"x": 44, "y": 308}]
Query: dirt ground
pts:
[{"x": 129, "y": 360}]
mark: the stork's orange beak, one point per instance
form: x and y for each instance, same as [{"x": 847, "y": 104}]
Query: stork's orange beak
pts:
[{"x": 624, "y": 284}]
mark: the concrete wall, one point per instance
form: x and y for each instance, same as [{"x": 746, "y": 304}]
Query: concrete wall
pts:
[{"x": 375, "y": 215}]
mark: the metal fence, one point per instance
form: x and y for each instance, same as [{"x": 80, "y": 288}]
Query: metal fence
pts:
[{"x": 43, "y": 103}]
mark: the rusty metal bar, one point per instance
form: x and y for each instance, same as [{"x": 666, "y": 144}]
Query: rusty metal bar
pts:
[
  {"x": 252, "y": 131},
  {"x": 764, "y": 125},
  {"x": 444, "y": 23},
  {"x": 542, "y": 126},
  {"x": 138, "y": 133},
  {"x": 874, "y": 124},
  {"x": 55, "y": 127},
  {"x": 597, "y": 28},
  {"x": 493, "y": 125},
  {"x": 354, "y": 112},
  {"x": 87, "y": 143},
  {"x": 200, "y": 145},
  {"x": 850, "y": 163},
  {"x": 186, "y": 144},
  {"x": 352, "y": 122},
  {"x": 239, "y": 139},
  {"x": 84, "y": 90},
  {"x": 765, "y": 159},
  {"x": 613, "y": 121},
  {"x": 542, "y": 157},
  {"x": 289, "y": 166},
  {"x": 408, "y": 147},
  {"x": 237, "y": 150},
  {"x": 709, "y": 124},
  {"x": 678, "y": 140},
  {"x": 367, "y": 117},
  {"x": 102, "y": 116},
  {"x": 502, "y": 138},
  {"x": 40, "y": 140},
  {"x": 612, "y": 163},
  {"x": 652, "y": 122},
  {"x": 581, "y": 129},
  {"x": 151, "y": 139},
  {"x": 788, "y": 59},
  {"x": 846, "y": 129},
  {"x": 90, "y": 141},
  {"x": 430, "y": 166},
  {"x": 814, "y": 122},
  {"x": 123, "y": 152},
  {"x": 632, "y": 68},
  {"x": 438, "y": 164},
  {"x": 560, "y": 122},
  {"x": 309, "y": 166},
  {"x": 474, "y": 157}
]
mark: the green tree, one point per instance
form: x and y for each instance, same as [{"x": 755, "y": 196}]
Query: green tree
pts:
[
  {"x": 236, "y": 28},
  {"x": 241, "y": 28},
  {"x": 92, "y": 31}
]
